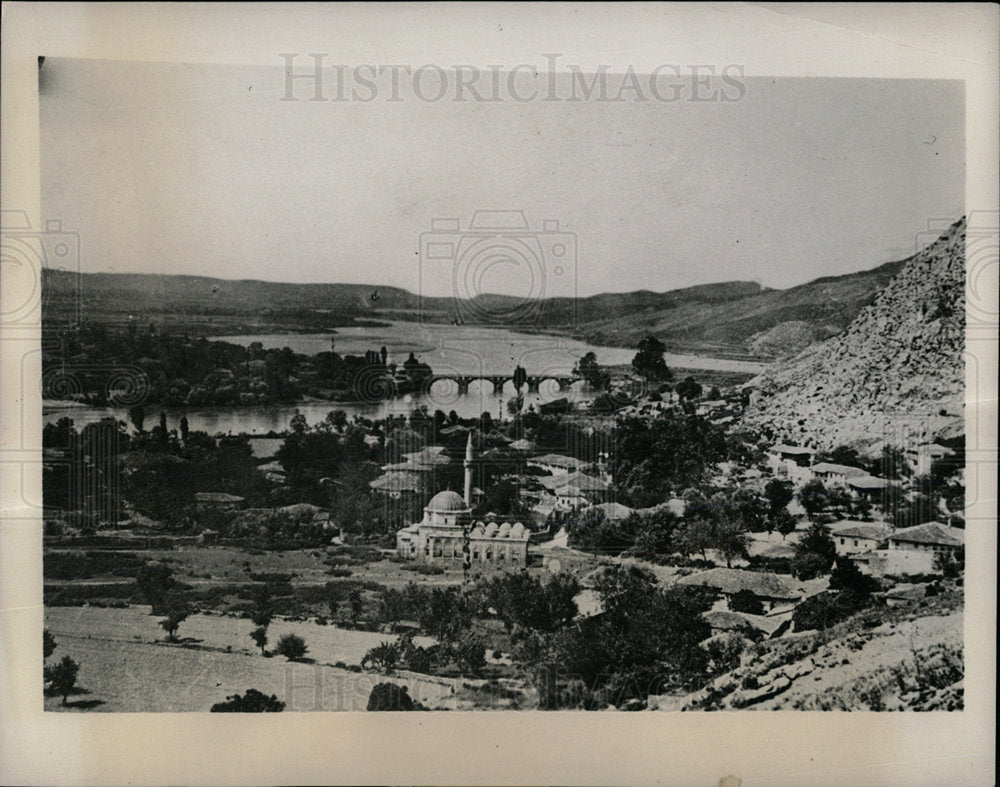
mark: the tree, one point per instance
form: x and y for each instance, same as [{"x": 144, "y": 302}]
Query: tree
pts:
[
  {"x": 62, "y": 677},
  {"x": 746, "y": 601},
  {"x": 779, "y": 494},
  {"x": 292, "y": 647},
  {"x": 389, "y": 697},
  {"x": 185, "y": 428},
  {"x": 730, "y": 539},
  {"x": 892, "y": 463},
  {"x": 261, "y": 614},
  {"x": 470, "y": 653},
  {"x": 847, "y": 576},
  {"x": 649, "y": 361},
  {"x": 520, "y": 378},
  {"x": 137, "y": 415},
  {"x": 688, "y": 388},
  {"x": 382, "y": 657},
  {"x": 48, "y": 644},
  {"x": 177, "y": 613},
  {"x": 815, "y": 553},
  {"x": 163, "y": 427},
  {"x": 356, "y": 604},
  {"x": 259, "y": 636},
  {"x": 950, "y": 564},
  {"x": 155, "y": 581},
  {"x": 813, "y": 497},
  {"x": 784, "y": 523},
  {"x": 251, "y": 702}
]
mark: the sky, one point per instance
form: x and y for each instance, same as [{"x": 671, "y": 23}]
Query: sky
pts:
[{"x": 204, "y": 170}]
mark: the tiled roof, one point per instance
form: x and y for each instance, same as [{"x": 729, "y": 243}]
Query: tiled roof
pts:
[
  {"x": 830, "y": 467},
  {"x": 930, "y": 533},
  {"x": 733, "y": 580},
  {"x": 559, "y": 460},
  {"x": 397, "y": 482},
  {"x": 863, "y": 531},
  {"x": 869, "y": 482},
  {"x": 791, "y": 449}
]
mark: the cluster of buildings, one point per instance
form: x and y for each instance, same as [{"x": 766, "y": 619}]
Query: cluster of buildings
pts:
[{"x": 447, "y": 533}]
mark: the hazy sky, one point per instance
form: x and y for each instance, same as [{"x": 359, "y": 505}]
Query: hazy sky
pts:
[{"x": 198, "y": 169}]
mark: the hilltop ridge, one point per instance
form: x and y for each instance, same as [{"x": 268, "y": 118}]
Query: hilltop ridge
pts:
[{"x": 896, "y": 369}]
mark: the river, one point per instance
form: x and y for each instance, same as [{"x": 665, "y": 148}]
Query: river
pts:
[{"x": 447, "y": 349}]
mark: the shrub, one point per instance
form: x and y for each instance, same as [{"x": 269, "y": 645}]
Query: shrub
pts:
[
  {"x": 292, "y": 647},
  {"x": 389, "y": 697},
  {"x": 428, "y": 569},
  {"x": 251, "y": 702},
  {"x": 48, "y": 644},
  {"x": 339, "y": 572}
]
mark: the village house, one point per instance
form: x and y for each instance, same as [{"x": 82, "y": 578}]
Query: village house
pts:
[
  {"x": 911, "y": 550},
  {"x": 922, "y": 456},
  {"x": 928, "y": 537},
  {"x": 869, "y": 486},
  {"x": 859, "y": 538},
  {"x": 790, "y": 461},
  {"x": 771, "y": 589},
  {"x": 832, "y": 474}
]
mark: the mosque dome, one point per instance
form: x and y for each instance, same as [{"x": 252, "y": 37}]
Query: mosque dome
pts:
[{"x": 447, "y": 502}]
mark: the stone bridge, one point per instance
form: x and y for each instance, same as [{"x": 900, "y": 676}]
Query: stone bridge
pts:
[{"x": 533, "y": 381}]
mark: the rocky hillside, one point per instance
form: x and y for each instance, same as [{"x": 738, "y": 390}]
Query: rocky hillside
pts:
[
  {"x": 882, "y": 659},
  {"x": 896, "y": 372}
]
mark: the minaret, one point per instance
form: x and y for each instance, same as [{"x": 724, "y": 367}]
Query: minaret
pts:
[{"x": 468, "y": 472}]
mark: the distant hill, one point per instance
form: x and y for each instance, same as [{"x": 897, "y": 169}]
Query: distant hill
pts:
[
  {"x": 895, "y": 373},
  {"x": 737, "y": 318},
  {"x": 765, "y": 323}
]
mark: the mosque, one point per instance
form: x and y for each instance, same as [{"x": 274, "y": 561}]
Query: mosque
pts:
[{"x": 447, "y": 533}]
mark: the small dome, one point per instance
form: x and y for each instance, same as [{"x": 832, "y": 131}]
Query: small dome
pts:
[
  {"x": 446, "y": 502},
  {"x": 491, "y": 530},
  {"x": 517, "y": 531},
  {"x": 477, "y": 531},
  {"x": 504, "y": 530}
]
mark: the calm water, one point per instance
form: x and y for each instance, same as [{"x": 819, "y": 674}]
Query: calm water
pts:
[{"x": 447, "y": 349}]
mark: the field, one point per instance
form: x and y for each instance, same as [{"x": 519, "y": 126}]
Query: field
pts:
[{"x": 125, "y": 664}]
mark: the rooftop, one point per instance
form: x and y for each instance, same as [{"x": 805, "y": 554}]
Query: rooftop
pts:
[
  {"x": 559, "y": 460},
  {"x": 795, "y": 450},
  {"x": 831, "y": 467},
  {"x": 870, "y": 482},
  {"x": 874, "y": 532},
  {"x": 733, "y": 580},
  {"x": 397, "y": 482},
  {"x": 930, "y": 533},
  {"x": 447, "y": 502}
]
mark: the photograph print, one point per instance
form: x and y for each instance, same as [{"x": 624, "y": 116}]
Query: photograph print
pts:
[{"x": 423, "y": 387}]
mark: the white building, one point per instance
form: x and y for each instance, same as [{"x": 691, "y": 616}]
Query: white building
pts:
[{"x": 447, "y": 533}]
